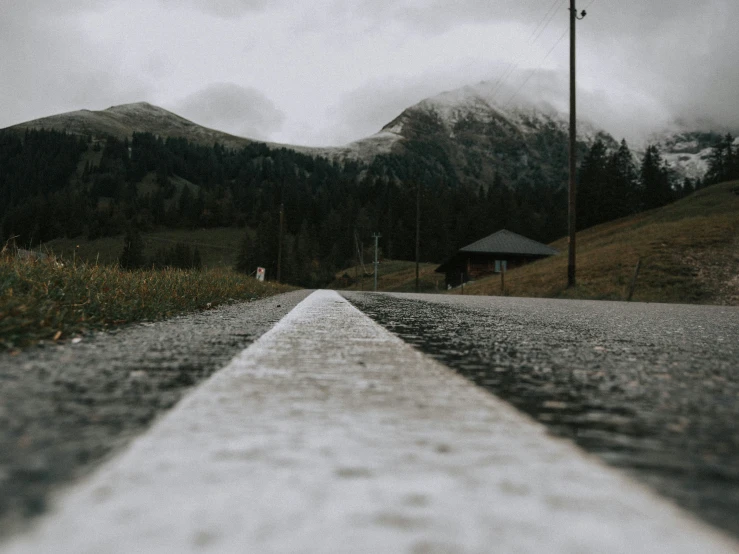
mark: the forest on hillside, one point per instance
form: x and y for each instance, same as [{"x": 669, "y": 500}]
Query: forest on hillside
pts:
[{"x": 57, "y": 185}]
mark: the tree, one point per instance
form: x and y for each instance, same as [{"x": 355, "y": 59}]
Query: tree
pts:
[
  {"x": 655, "y": 179},
  {"x": 594, "y": 196},
  {"x": 132, "y": 256},
  {"x": 623, "y": 183},
  {"x": 723, "y": 161}
]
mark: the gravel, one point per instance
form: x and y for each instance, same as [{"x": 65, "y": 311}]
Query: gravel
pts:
[{"x": 65, "y": 408}]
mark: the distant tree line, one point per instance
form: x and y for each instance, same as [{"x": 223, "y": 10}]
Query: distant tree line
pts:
[
  {"x": 723, "y": 164},
  {"x": 612, "y": 184},
  {"x": 55, "y": 185},
  {"x": 179, "y": 256}
]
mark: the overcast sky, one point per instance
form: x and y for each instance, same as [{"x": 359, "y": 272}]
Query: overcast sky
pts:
[{"x": 325, "y": 72}]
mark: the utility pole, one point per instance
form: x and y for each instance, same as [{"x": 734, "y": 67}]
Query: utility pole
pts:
[
  {"x": 279, "y": 243},
  {"x": 418, "y": 231},
  {"x": 376, "y": 236},
  {"x": 572, "y": 190}
]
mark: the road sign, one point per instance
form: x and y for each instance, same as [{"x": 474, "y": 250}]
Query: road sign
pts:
[{"x": 260, "y": 274}]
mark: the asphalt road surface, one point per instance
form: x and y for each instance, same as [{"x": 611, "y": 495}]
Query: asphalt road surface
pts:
[
  {"x": 329, "y": 434},
  {"x": 338, "y": 431},
  {"x": 649, "y": 388},
  {"x": 66, "y": 408}
]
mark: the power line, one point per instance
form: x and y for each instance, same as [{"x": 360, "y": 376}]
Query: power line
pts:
[
  {"x": 564, "y": 34},
  {"x": 513, "y": 67},
  {"x": 551, "y": 17},
  {"x": 536, "y": 29}
]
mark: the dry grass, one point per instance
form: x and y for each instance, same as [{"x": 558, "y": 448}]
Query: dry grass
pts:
[
  {"x": 392, "y": 276},
  {"x": 45, "y": 300},
  {"x": 218, "y": 247},
  {"x": 689, "y": 252}
]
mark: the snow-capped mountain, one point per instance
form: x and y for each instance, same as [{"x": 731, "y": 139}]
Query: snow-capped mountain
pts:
[
  {"x": 687, "y": 152},
  {"x": 469, "y": 131}
]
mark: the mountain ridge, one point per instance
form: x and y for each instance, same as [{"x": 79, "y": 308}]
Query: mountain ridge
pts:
[{"x": 468, "y": 116}]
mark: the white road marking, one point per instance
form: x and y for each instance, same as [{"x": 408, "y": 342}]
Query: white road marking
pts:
[{"x": 329, "y": 434}]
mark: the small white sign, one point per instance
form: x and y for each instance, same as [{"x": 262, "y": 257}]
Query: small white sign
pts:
[{"x": 260, "y": 274}]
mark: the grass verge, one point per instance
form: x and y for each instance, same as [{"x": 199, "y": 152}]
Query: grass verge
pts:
[{"x": 44, "y": 300}]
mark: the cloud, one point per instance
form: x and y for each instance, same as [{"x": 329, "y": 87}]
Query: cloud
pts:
[
  {"x": 366, "y": 109},
  {"x": 683, "y": 57},
  {"x": 435, "y": 16},
  {"x": 232, "y": 108},
  {"x": 226, "y": 9},
  {"x": 49, "y": 66}
]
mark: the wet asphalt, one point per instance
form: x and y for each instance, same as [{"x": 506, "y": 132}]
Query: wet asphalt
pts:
[
  {"x": 652, "y": 389},
  {"x": 66, "y": 408}
]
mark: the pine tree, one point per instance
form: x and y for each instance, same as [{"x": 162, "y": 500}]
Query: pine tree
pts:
[
  {"x": 723, "y": 161},
  {"x": 623, "y": 181},
  {"x": 132, "y": 256},
  {"x": 655, "y": 180},
  {"x": 593, "y": 193}
]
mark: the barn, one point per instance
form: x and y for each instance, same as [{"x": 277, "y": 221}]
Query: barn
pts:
[{"x": 498, "y": 252}]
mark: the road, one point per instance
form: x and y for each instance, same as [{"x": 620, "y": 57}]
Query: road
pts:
[
  {"x": 66, "y": 408},
  {"x": 650, "y": 388},
  {"x": 329, "y": 431}
]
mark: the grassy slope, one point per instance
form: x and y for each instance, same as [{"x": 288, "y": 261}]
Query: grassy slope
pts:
[
  {"x": 392, "y": 276},
  {"x": 218, "y": 247},
  {"x": 689, "y": 252}
]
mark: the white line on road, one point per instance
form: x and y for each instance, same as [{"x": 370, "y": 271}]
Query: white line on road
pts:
[{"x": 329, "y": 434}]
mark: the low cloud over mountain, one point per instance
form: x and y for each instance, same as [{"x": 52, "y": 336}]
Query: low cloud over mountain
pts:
[{"x": 229, "y": 107}]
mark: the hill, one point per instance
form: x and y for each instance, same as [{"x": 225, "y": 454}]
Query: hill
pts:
[
  {"x": 218, "y": 247},
  {"x": 689, "y": 253},
  {"x": 123, "y": 121},
  {"x": 392, "y": 276}
]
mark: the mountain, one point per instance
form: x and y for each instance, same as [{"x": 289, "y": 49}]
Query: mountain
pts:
[
  {"x": 482, "y": 134},
  {"x": 122, "y": 121},
  {"x": 472, "y": 131},
  {"x": 141, "y": 117},
  {"x": 476, "y": 137}
]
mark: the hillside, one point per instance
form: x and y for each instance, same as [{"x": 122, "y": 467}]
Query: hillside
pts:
[
  {"x": 689, "y": 253},
  {"x": 218, "y": 247},
  {"x": 122, "y": 121},
  {"x": 392, "y": 276}
]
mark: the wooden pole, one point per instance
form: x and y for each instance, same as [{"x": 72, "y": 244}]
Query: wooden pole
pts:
[
  {"x": 633, "y": 280},
  {"x": 572, "y": 193},
  {"x": 418, "y": 231},
  {"x": 279, "y": 244},
  {"x": 376, "y": 236}
]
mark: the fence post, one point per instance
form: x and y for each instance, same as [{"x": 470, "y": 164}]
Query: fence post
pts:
[{"x": 633, "y": 280}]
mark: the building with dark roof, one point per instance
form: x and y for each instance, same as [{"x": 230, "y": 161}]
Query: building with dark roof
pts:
[{"x": 498, "y": 252}]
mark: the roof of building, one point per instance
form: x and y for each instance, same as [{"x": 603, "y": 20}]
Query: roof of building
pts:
[{"x": 507, "y": 242}]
